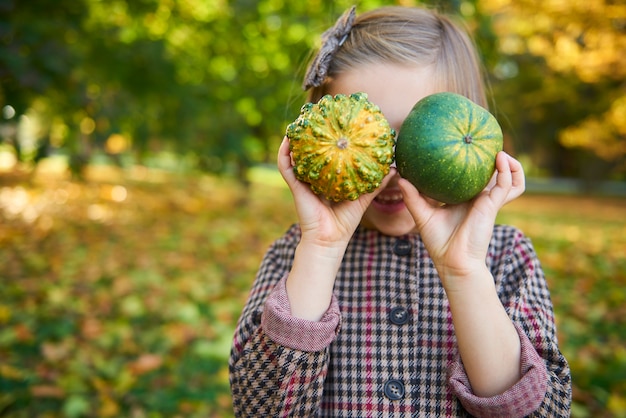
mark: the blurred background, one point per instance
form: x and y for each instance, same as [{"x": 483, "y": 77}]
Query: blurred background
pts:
[{"x": 138, "y": 191}]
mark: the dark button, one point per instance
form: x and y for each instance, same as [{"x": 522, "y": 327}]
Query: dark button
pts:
[
  {"x": 402, "y": 247},
  {"x": 394, "y": 390},
  {"x": 399, "y": 315}
]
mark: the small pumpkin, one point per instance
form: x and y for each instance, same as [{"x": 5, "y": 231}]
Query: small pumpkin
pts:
[
  {"x": 342, "y": 146},
  {"x": 447, "y": 147}
]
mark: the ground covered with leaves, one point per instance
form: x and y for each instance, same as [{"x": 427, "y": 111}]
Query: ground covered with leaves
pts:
[{"x": 119, "y": 294}]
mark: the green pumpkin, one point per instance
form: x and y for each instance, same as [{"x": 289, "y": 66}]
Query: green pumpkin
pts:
[
  {"x": 342, "y": 146},
  {"x": 447, "y": 147}
]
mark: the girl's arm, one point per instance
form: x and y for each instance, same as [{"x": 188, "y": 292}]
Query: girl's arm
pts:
[
  {"x": 278, "y": 363},
  {"x": 326, "y": 230},
  {"x": 457, "y": 238},
  {"x": 488, "y": 343},
  {"x": 545, "y": 387},
  {"x": 510, "y": 363}
]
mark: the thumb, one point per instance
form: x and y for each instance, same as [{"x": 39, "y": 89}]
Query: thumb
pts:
[
  {"x": 419, "y": 207},
  {"x": 285, "y": 166}
]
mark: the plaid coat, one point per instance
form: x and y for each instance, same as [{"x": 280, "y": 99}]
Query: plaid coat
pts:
[{"x": 386, "y": 346}]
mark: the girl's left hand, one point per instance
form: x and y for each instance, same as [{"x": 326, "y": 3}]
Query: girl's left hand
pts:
[{"x": 457, "y": 236}]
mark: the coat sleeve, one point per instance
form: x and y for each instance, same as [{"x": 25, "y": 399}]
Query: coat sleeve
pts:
[
  {"x": 278, "y": 363},
  {"x": 545, "y": 386}
]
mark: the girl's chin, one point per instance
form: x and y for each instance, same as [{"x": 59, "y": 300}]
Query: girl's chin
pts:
[
  {"x": 397, "y": 228},
  {"x": 389, "y": 217}
]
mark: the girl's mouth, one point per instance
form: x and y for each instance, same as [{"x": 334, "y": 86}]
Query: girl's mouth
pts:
[
  {"x": 389, "y": 198},
  {"x": 389, "y": 201}
]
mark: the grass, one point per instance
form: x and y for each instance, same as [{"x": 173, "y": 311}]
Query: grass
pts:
[
  {"x": 120, "y": 294},
  {"x": 581, "y": 242}
]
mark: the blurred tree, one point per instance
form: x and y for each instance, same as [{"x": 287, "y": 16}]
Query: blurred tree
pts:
[
  {"x": 217, "y": 81},
  {"x": 561, "y": 82},
  {"x": 34, "y": 57},
  {"x": 204, "y": 79}
]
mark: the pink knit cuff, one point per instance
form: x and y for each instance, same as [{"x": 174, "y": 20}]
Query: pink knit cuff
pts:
[
  {"x": 518, "y": 401},
  {"x": 297, "y": 333}
]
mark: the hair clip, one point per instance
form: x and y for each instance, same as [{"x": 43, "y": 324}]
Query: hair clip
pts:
[{"x": 332, "y": 40}]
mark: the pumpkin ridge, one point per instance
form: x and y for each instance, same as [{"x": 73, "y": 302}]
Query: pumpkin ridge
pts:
[
  {"x": 338, "y": 125},
  {"x": 482, "y": 149}
]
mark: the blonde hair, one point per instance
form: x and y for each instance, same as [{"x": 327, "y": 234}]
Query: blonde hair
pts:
[{"x": 413, "y": 37}]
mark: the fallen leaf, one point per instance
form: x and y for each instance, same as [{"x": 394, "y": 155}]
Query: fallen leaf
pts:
[
  {"x": 47, "y": 391},
  {"x": 146, "y": 363}
]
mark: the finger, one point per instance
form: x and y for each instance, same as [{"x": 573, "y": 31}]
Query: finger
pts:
[
  {"x": 366, "y": 199},
  {"x": 356, "y": 208},
  {"x": 284, "y": 162},
  {"x": 419, "y": 207},
  {"x": 285, "y": 165},
  {"x": 408, "y": 190},
  {"x": 284, "y": 153},
  {"x": 392, "y": 173},
  {"x": 499, "y": 192},
  {"x": 515, "y": 174},
  {"x": 517, "y": 171},
  {"x": 492, "y": 181},
  {"x": 510, "y": 180}
]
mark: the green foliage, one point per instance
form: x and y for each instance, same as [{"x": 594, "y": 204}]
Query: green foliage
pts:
[
  {"x": 120, "y": 294},
  {"x": 218, "y": 81},
  {"x": 560, "y": 83},
  {"x": 207, "y": 78}
]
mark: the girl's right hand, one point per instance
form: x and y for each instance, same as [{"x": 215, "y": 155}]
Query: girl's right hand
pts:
[
  {"x": 326, "y": 229},
  {"x": 323, "y": 223}
]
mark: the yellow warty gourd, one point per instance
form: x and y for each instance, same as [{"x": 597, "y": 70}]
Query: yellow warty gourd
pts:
[{"x": 342, "y": 146}]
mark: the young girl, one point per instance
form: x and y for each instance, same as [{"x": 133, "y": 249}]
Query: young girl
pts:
[{"x": 392, "y": 304}]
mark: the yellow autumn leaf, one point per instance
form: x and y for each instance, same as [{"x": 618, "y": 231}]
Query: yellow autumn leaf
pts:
[{"x": 9, "y": 372}]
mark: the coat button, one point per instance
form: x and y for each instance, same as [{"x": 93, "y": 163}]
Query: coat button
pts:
[
  {"x": 394, "y": 390},
  {"x": 399, "y": 315},
  {"x": 402, "y": 247}
]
